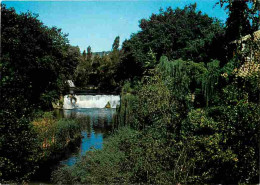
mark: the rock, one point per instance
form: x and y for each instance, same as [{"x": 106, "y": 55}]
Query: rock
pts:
[{"x": 108, "y": 105}]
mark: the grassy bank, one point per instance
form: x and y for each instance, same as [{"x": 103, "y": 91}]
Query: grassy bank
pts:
[{"x": 57, "y": 138}]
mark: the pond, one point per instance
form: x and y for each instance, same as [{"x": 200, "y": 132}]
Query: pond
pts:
[{"x": 99, "y": 126}]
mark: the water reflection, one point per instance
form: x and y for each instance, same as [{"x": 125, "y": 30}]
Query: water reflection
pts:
[{"x": 99, "y": 124}]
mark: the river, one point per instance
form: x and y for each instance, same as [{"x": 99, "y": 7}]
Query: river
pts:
[{"x": 100, "y": 126}]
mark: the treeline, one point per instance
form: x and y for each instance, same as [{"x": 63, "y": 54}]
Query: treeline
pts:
[
  {"x": 191, "y": 34},
  {"x": 99, "y": 71},
  {"x": 190, "y": 103},
  {"x": 35, "y": 63}
]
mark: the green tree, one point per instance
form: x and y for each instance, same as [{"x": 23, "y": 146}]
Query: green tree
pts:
[
  {"x": 238, "y": 22},
  {"x": 82, "y": 73},
  {"x": 181, "y": 33},
  {"x": 115, "y": 45},
  {"x": 108, "y": 68},
  {"x": 36, "y": 61},
  {"x": 84, "y": 55},
  {"x": 32, "y": 55},
  {"x": 89, "y": 54}
]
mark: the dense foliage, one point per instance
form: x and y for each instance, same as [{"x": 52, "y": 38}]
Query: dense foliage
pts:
[
  {"x": 36, "y": 61},
  {"x": 176, "y": 142},
  {"x": 194, "y": 116},
  {"x": 243, "y": 17},
  {"x": 180, "y": 33},
  {"x": 99, "y": 71},
  {"x": 190, "y": 99},
  {"x": 109, "y": 161}
]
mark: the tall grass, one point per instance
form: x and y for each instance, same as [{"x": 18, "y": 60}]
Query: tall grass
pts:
[{"x": 54, "y": 135}]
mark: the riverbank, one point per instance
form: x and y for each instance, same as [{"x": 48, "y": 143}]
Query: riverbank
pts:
[
  {"x": 99, "y": 166},
  {"x": 57, "y": 139},
  {"x": 68, "y": 138},
  {"x": 48, "y": 165}
]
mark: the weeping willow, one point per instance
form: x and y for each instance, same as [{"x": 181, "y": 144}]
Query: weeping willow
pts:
[
  {"x": 164, "y": 66},
  {"x": 176, "y": 73},
  {"x": 185, "y": 76},
  {"x": 210, "y": 80},
  {"x": 125, "y": 111}
]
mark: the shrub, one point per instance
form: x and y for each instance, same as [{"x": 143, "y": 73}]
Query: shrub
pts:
[{"x": 55, "y": 135}]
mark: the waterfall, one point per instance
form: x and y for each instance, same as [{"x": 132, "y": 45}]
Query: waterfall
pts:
[{"x": 90, "y": 101}]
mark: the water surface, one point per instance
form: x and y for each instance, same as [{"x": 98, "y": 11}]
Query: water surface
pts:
[{"x": 99, "y": 126}]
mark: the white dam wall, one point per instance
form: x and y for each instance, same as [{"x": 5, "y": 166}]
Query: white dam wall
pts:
[{"x": 90, "y": 101}]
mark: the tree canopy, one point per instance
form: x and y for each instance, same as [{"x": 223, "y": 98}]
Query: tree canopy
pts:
[
  {"x": 35, "y": 63},
  {"x": 35, "y": 58},
  {"x": 180, "y": 33}
]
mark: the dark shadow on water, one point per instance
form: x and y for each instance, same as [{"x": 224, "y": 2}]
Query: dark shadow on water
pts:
[{"x": 43, "y": 174}]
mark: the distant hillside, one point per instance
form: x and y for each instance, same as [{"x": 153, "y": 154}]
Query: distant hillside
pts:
[{"x": 101, "y": 54}]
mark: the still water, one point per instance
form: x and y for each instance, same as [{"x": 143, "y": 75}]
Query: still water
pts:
[{"x": 98, "y": 127}]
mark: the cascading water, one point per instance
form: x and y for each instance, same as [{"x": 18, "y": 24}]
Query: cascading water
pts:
[{"x": 90, "y": 101}]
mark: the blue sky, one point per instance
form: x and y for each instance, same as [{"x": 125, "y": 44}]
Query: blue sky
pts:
[{"x": 97, "y": 23}]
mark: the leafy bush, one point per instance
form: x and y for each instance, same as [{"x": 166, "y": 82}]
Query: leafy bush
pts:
[{"x": 19, "y": 154}]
